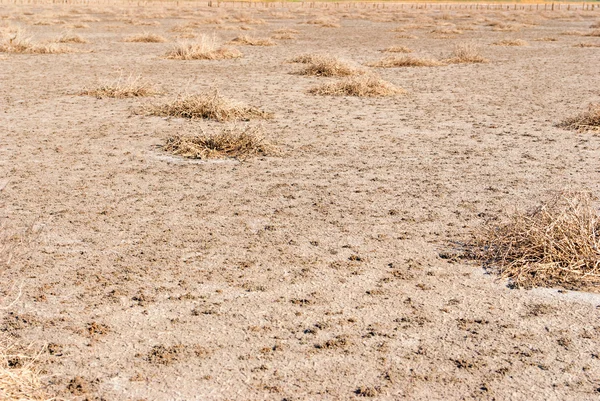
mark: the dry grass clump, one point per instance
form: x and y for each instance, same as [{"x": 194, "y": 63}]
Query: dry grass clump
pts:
[
  {"x": 283, "y": 36},
  {"x": 595, "y": 33},
  {"x": 306, "y": 58},
  {"x": 505, "y": 28},
  {"x": 325, "y": 22},
  {"x": 589, "y": 120},
  {"x": 466, "y": 53},
  {"x": 227, "y": 143},
  {"x": 396, "y": 49},
  {"x": 406, "y": 36},
  {"x": 122, "y": 88},
  {"x": 405, "y": 61},
  {"x": 204, "y": 50},
  {"x": 511, "y": 42},
  {"x": 286, "y": 31},
  {"x": 71, "y": 38},
  {"x": 573, "y": 33},
  {"x": 447, "y": 31},
  {"x": 546, "y": 39},
  {"x": 325, "y": 66},
  {"x": 583, "y": 44},
  {"x": 210, "y": 106},
  {"x": 249, "y": 41},
  {"x": 362, "y": 86},
  {"x": 17, "y": 42},
  {"x": 557, "y": 243},
  {"x": 19, "y": 374},
  {"x": 145, "y": 38}
]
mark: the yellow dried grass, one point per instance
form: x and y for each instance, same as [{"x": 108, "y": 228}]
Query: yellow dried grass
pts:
[
  {"x": 557, "y": 243},
  {"x": 250, "y": 41},
  {"x": 406, "y": 61},
  {"x": 588, "y": 120},
  {"x": 122, "y": 88},
  {"x": 229, "y": 142},
  {"x": 210, "y": 106},
  {"x": 362, "y": 86}
]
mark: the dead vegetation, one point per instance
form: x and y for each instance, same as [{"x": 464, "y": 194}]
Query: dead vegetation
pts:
[
  {"x": 203, "y": 50},
  {"x": 594, "y": 33},
  {"x": 362, "y": 86},
  {"x": 70, "y": 38},
  {"x": 20, "y": 373},
  {"x": 511, "y": 42},
  {"x": 466, "y": 53},
  {"x": 210, "y": 106},
  {"x": 396, "y": 49},
  {"x": 122, "y": 88},
  {"x": 589, "y": 120},
  {"x": 405, "y": 61},
  {"x": 145, "y": 38},
  {"x": 557, "y": 243},
  {"x": 583, "y": 44},
  {"x": 230, "y": 142},
  {"x": 250, "y": 41},
  {"x": 19, "y": 43},
  {"x": 326, "y": 66}
]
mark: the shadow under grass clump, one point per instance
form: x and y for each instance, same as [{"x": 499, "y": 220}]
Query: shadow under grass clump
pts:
[
  {"x": 227, "y": 143},
  {"x": 589, "y": 120},
  {"x": 208, "y": 106},
  {"x": 555, "y": 244}
]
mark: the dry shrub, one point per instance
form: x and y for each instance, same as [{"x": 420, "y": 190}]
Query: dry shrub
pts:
[
  {"x": 466, "y": 53},
  {"x": 18, "y": 43},
  {"x": 306, "y": 58},
  {"x": 325, "y": 66},
  {"x": 227, "y": 143},
  {"x": 595, "y": 33},
  {"x": 511, "y": 42},
  {"x": 583, "y": 44},
  {"x": 557, "y": 243},
  {"x": 405, "y": 61},
  {"x": 362, "y": 86},
  {"x": 210, "y": 106},
  {"x": 204, "y": 50},
  {"x": 70, "y": 38},
  {"x": 145, "y": 38},
  {"x": 396, "y": 49},
  {"x": 589, "y": 120},
  {"x": 249, "y": 41},
  {"x": 122, "y": 88},
  {"x": 19, "y": 373}
]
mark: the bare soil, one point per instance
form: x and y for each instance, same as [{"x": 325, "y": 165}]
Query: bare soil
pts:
[{"x": 326, "y": 272}]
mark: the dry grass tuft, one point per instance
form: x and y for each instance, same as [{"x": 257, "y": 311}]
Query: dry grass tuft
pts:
[
  {"x": 71, "y": 38},
  {"x": 589, "y": 120},
  {"x": 546, "y": 39},
  {"x": 406, "y": 36},
  {"x": 466, "y": 53},
  {"x": 405, "y": 61},
  {"x": 210, "y": 106},
  {"x": 557, "y": 243},
  {"x": 511, "y": 42},
  {"x": 325, "y": 66},
  {"x": 595, "y": 33},
  {"x": 145, "y": 38},
  {"x": 204, "y": 50},
  {"x": 289, "y": 31},
  {"x": 119, "y": 89},
  {"x": 306, "y": 58},
  {"x": 249, "y": 41},
  {"x": 18, "y": 43},
  {"x": 363, "y": 86},
  {"x": 228, "y": 143},
  {"x": 396, "y": 49},
  {"x": 583, "y": 44},
  {"x": 19, "y": 374}
]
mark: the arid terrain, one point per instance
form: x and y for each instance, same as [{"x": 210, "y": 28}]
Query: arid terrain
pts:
[{"x": 327, "y": 269}]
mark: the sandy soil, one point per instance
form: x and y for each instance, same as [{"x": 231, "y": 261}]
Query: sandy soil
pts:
[{"x": 319, "y": 274}]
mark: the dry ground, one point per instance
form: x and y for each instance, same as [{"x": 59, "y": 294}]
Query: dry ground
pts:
[{"x": 323, "y": 272}]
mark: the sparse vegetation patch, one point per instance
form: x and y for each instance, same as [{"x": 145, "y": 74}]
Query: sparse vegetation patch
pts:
[
  {"x": 589, "y": 120},
  {"x": 406, "y": 61},
  {"x": 122, "y": 88},
  {"x": 362, "y": 86}
]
